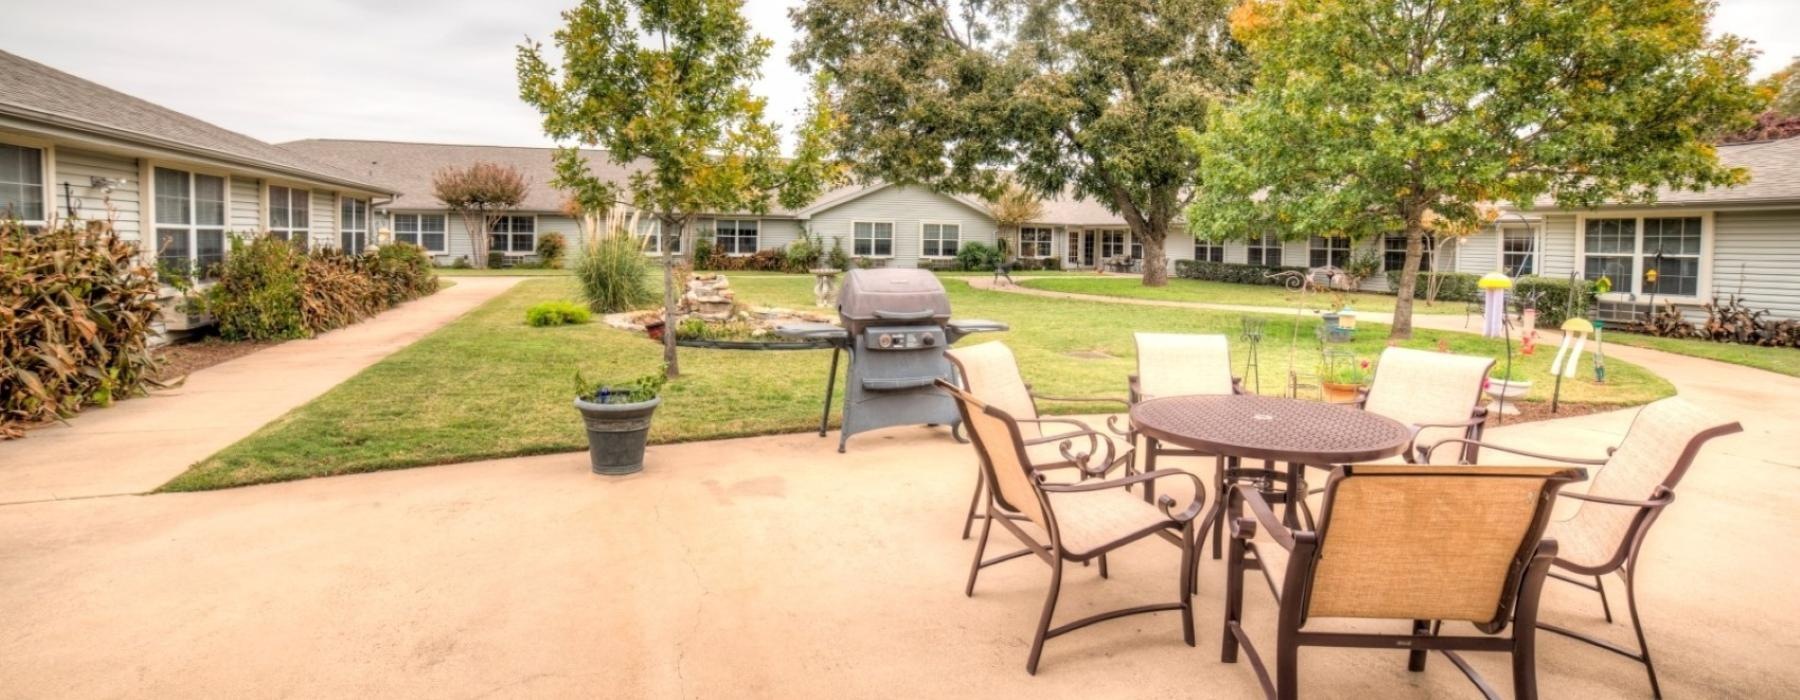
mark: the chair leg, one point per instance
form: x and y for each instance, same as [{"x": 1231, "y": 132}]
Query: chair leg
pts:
[
  {"x": 987, "y": 524},
  {"x": 1218, "y": 525},
  {"x": 1190, "y": 544},
  {"x": 1234, "y": 601},
  {"x": 1287, "y": 665},
  {"x": 1637, "y": 625},
  {"x": 1043, "y": 630},
  {"x": 1103, "y": 566},
  {"x": 1605, "y": 606},
  {"x": 974, "y": 501},
  {"x": 1524, "y": 662},
  {"x": 1415, "y": 659}
]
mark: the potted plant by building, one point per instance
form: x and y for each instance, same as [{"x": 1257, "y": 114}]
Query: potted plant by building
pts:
[
  {"x": 1342, "y": 377},
  {"x": 1507, "y": 386},
  {"x": 617, "y": 417}
]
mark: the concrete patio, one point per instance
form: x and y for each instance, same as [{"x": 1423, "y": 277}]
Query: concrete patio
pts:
[{"x": 763, "y": 567}]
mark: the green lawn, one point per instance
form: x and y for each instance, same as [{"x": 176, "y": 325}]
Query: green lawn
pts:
[
  {"x": 488, "y": 386},
  {"x": 1180, "y": 289},
  {"x": 1779, "y": 360}
]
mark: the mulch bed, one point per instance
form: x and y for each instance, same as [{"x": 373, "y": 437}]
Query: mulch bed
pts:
[
  {"x": 1533, "y": 411},
  {"x": 182, "y": 359}
]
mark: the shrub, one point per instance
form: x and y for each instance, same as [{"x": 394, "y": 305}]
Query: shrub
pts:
[
  {"x": 257, "y": 296},
  {"x": 975, "y": 255},
  {"x": 803, "y": 254},
  {"x": 76, "y": 311},
  {"x": 462, "y": 263},
  {"x": 556, "y": 313},
  {"x": 403, "y": 272},
  {"x": 1452, "y": 286},
  {"x": 703, "y": 253},
  {"x": 837, "y": 258},
  {"x": 496, "y": 259},
  {"x": 614, "y": 272},
  {"x": 269, "y": 290},
  {"x": 550, "y": 249},
  {"x": 1550, "y": 296},
  {"x": 1231, "y": 272}
]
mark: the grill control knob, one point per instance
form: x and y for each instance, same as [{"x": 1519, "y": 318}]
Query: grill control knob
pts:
[
  {"x": 928, "y": 340},
  {"x": 885, "y": 340}
]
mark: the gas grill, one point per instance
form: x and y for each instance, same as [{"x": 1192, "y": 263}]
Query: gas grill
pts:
[{"x": 896, "y": 326}]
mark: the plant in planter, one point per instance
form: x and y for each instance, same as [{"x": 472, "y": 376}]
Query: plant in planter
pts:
[
  {"x": 617, "y": 417},
  {"x": 1507, "y": 386},
  {"x": 1343, "y": 376}
]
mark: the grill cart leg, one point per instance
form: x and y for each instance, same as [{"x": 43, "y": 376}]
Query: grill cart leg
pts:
[{"x": 830, "y": 384}]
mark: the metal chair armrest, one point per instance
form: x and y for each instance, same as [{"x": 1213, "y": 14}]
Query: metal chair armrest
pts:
[
  {"x": 1245, "y": 528},
  {"x": 1663, "y": 498},
  {"x": 1512, "y": 450},
  {"x": 1080, "y": 427},
  {"x": 1082, "y": 399},
  {"x": 1165, "y": 502}
]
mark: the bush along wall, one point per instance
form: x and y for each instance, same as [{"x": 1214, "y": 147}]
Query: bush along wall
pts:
[
  {"x": 1230, "y": 272},
  {"x": 1452, "y": 286},
  {"x": 76, "y": 309},
  {"x": 269, "y": 290}
]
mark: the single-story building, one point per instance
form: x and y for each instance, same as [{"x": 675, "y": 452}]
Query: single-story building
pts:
[{"x": 71, "y": 149}]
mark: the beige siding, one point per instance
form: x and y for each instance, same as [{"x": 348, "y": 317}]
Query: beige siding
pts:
[
  {"x": 245, "y": 215},
  {"x": 324, "y": 219},
  {"x": 906, "y": 208},
  {"x": 1756, "y": 254},
  {"x": 1559, "y": 244},
  {"x": 79, "y": 168}
]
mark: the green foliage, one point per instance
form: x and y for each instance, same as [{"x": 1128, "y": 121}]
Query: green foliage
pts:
[
  {"x": 704, "y": 252},
  {"x": 76, "y": 309},
  {"x": 1350, "y": 130},
  {"x": 975, "y": 255},
  {"x": 1231, "y": 272},
  {"x": 1085, "y": 97},
  {"x": 1502, "y": 373},
  {"x": 1551, "y": 297},
  {"x": 837, "y": 258},
  {"x": 614, "y": 273},
  {"x": 495, "y": 260},
  {"x": 461, "y": 263},
  {"x": 803, "y": 254},
  {"x": 477, "y": 193},
  {"x": 550, "y": 249},
  {"x": 637, "y": 390},
  {"x": 556, "y": 313},
  {"x": 1345, "y": 369},
  {"x": 270, "y": 290},
  {"x": 1452, "y": 286}
]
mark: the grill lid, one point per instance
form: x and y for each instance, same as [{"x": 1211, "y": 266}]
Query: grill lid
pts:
[{"x": 893, "y": 294}]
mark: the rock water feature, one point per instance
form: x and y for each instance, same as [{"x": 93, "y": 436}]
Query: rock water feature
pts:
[
  {"x": 711, "y": 317},
  {"x": 708, "y": 297}
]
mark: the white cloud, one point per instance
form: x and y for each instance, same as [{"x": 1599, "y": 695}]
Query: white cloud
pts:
[{"x": 416, "y": 70}]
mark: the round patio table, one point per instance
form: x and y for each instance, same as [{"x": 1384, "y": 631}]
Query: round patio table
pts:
[{"x": 1272, "y": 429}]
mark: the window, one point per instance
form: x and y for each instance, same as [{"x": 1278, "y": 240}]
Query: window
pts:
[
  {"x": 513, "y": 234},
  {"x": 1073, "y": 250},
  {"x": 353, "y": 225},
  {"x": 1611, "y": 245},
  {"x": 423, "y": 230},
  {"x": 1518, "y": 251},
  {"x": 190, "y": 221},
  {"x": 21, "y": 183},
  {"x": 1209, "y": 251},
  {"x": 872, "y": 239},
  {"x": 1112, "y": 244},
  {"x": 1034, "y": 242},
  {"x": 940, "y": 240},
  {"x": 1672, "y": 249},
  {"x": 1332, "y": 251},
  {"x": 1393, "y": 252},
  {"x": 650, "y": 229},
  {"x": 290, "y": 215},
  {"x": 734, "y": 236},
  {"x": 1265, "y": 250}
]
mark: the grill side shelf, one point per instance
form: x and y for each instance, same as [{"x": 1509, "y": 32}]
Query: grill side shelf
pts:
[{"x": 897, "y": 383}]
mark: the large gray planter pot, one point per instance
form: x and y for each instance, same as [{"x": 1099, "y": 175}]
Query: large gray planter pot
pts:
[{"x": 617, "y": 433}]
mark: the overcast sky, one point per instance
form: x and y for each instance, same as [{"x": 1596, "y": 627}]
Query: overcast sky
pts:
[{"x": 417, "y": 70}]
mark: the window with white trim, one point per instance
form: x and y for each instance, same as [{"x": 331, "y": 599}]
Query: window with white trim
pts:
[
  {"x": 290, "y": 215},
  {"x": 1112, "y": 244},
  {"x": 21, "y": 183},
  {"x": 1035, "y": 241},
  {"x": 872, "y": 239},
  {"x": 650, "y": 229},
  {"x": 939, "y": 240},
  {"x": 1625, "y": 249},
  {"x": 353, "y": 225},
  {"x": 513, "y": 234},
  {"x": 1209, "y": 251},
  {"x": 735, "y": 236},
  {"x": 1393, "y": 252},
  {"x": 1333, "y": 251},
  {"x": 190, "y": 221},
  {"x": 1518, "y": 251},
  {"x": 1264, "y": 250},
  {"x": 426, "y": 231}
]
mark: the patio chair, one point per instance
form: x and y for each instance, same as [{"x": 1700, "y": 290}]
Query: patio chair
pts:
[
  {"x": 1077, "y": 522},
  {"x": 1411, "y": 543},
  {"x": 1633, "y": 485},
  {"x": 1436, "y": 394},
  {"x": 1177, "y": 364},
  {"x": 991, "y": 372}
]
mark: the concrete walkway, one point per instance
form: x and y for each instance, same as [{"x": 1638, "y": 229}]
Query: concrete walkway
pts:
[{"x": 137, "y": 445}]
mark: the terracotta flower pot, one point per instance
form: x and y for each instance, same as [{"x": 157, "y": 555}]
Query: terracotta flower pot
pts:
[{"x": 1340, "y": 393}]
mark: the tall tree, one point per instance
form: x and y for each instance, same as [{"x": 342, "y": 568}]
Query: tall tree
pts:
[
  {"x": 1368, "y": 114},
  {"x": 1081, "y": 95},
  {"x": 479, "y": 194},
  {"x": 666, "y": 83}
]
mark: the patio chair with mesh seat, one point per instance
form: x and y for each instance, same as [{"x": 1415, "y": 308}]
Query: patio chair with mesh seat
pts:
[
  {"x": 1437, "y": 394},
  {"x": 1631, "y": 487},
  {"x": 1419, "y": 544},
  {"x": 1182, "y": 364},
  {"x": 1076, "y": 522},
  {"x": 990, "y": 372}
]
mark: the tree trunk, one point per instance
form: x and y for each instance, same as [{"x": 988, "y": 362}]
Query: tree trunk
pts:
[
  {"x": 671, "y": 232},
  {"x": 475, "y": 224},
  {"x": 1155, "y": 235},
  {"x": 1409, "y": 276}
]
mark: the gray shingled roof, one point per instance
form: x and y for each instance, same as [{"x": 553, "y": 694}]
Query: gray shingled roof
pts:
[
  {"x": 1774, "y": 175},
  {"x": 410, "y": 167},
  {"x": 35, "y": 92}
]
